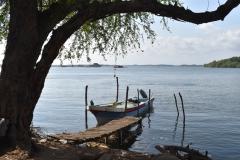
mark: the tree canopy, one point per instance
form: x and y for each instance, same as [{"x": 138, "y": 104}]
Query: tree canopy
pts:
[
  {"x": 233, "y": 62},
  {"x": 105, "y": 30},
  {"x": 104, "y": 33}
]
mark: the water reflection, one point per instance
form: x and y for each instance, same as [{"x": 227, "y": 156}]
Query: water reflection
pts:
[
  {"x": 149, "y": 115},
  {"x": 125, "y": 140},
  {"x": 149, "y": 121},
  {"x": 183, "y": 133},
  {"x": 175, "y": 128}
]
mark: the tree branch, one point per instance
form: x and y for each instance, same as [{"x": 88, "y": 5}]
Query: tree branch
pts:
[
  {"x": 192, "y": 152},
  {"x": 51, "y": 49},
  {"x": 170, "y": 11},
  {"x": 95, "y": 11}
]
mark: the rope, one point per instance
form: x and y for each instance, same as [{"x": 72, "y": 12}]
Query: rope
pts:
[{"x": 115, "y": 64}]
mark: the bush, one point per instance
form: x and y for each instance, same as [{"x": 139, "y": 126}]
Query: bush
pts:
[{"x": 233, "y": 62}]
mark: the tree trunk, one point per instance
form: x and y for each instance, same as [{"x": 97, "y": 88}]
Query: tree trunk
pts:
[
  {"x": 22, "y": 78},
  {"x": 18, "y": 91}
]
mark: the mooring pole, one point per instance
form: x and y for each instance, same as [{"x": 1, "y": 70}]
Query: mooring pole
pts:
[
  {"x": 176, "y": 104},
  {"x": 126, "y": 102},
  {"x": 117, "y": 89},
  {"x": 182, "y": 107},
  {"x": 138, "y": 103},
  {"x": 86, "y": 104},
  {"x": 140, "y": 123},
  {"x": 149, "y": 100}
]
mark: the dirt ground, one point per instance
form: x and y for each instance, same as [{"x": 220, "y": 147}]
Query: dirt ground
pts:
[{"x": 51, "y": 150}]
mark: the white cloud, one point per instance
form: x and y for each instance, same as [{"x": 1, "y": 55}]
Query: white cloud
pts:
[
  {"x": 196, "y": 50},
  {"x": 208, "y": 28},
  {"x": 187, "y": 50},
  {"x": 229, "y": 40}
]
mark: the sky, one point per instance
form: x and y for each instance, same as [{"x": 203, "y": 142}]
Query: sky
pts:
[{"x": 186, "y": 43}]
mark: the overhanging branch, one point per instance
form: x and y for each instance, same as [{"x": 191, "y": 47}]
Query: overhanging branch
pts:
[
  {"x": 171, "y": 11},
  {"x": 95, "y": 11}
]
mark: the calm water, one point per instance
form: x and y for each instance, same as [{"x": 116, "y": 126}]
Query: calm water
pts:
[{"x": 211, "y": 99}]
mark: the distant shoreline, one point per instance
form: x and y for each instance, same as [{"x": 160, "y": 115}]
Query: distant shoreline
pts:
[
  {"x": 233, "y": 62},
  {"x": 86, "y": 65}
]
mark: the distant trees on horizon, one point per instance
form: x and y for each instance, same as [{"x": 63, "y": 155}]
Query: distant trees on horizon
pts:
[{"x": 233, "y": 62}]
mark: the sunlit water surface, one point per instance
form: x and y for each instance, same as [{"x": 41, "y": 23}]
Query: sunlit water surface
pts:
[{"x": 211, "y": 99}]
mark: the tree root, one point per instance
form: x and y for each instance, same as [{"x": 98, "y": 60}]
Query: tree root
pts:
[
  {"x": 35, "y": 146},
  {"x": 192, "y": 154}
]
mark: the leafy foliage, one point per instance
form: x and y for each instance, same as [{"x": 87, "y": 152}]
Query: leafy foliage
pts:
[
  {"x": 117, "y": 34},
  {"x": 233, "y": 62},
  {"x": 4, "y": 19}
]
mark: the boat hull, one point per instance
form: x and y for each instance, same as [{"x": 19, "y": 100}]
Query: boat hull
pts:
[{"x": 105, "y": 113}]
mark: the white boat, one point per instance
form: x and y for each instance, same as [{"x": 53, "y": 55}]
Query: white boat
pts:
[{"x": 107, "y": 112}]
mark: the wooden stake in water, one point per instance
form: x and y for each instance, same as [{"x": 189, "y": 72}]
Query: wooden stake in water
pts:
[
  {"x": 117, "y": 90},
  {"x": 86, "y": 104},
  {"x": 176, "y": 104},
  {"x": 149, "y": 100},
  {"x": 182, "y": 107},
  {"x": 126, "y": 102},
  {"x": 138, "y": 103},
  {"x": 120, "y": 139}
]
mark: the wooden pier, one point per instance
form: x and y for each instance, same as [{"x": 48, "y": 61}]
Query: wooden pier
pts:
[{"x": 105, "y": 130}]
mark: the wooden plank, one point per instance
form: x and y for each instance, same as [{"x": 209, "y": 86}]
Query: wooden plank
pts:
[{"x": 98, "y": 132}]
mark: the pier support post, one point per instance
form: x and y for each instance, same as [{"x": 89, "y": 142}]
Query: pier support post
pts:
[
  {"x": 120, "y": 139},
  {"x": 126, "y": 102},
  {"x": 176, "y": 104},
  {"x": 140, "y": 123},
  {"x": 86, "y": 104},
  {"x": 106, "y": 140}
]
